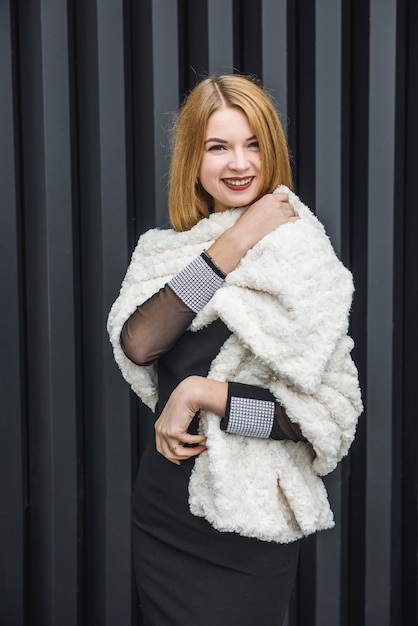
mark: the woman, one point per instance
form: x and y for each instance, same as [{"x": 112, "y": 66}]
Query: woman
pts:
[{"x": 233, "y": 327}]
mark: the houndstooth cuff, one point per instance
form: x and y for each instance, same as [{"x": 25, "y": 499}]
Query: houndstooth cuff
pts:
[
  {"x": 196, "y": 284},
  {"x": 251, "y": 417}
]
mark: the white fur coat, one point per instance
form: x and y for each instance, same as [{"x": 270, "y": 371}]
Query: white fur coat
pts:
[{"x": 287, "y": 305}]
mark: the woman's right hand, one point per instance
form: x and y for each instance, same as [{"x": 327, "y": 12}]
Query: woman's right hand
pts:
[
  {"x": 261, "y": 218},
  {"x": 192, "y": 394},
  {"x": 264, "y": 216}
]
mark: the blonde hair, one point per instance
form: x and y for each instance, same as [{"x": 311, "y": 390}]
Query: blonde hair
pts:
[{"x": 188, "y": 202}]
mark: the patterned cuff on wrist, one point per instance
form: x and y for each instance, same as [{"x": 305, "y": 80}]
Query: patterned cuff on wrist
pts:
[
  {"x": 251, "y": 417},
  {"x": 196, "y": 284}
]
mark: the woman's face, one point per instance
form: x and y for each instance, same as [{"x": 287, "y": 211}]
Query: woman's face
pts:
[{"x": 230, "y": 169}]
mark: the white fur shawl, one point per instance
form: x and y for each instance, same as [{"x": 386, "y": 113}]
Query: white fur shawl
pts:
[{"x": 287, "y": 305}]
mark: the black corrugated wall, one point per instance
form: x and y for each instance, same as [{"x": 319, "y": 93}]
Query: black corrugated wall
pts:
[{"x": 88, "y": 89}]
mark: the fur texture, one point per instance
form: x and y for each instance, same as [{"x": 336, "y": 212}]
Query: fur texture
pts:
[{"x": 287, "y": 305}]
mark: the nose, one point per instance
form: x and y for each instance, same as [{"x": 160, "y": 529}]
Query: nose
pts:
[{"x": 239, "y": 161}]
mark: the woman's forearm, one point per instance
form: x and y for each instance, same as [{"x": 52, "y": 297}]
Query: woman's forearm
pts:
[
  {"x": 154, "y": 327},
  {"x": 207, "y": 394}
]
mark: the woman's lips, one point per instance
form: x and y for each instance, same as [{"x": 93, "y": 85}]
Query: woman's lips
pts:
[{"x": 238, "y": 184}]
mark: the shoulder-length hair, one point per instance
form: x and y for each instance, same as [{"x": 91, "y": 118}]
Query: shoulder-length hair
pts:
[{"x": 188, "y": 202}]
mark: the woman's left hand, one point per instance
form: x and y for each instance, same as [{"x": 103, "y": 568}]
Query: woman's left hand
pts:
[{"x": 192, "y": 394}]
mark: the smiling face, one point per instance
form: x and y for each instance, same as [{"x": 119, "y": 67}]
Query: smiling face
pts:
[{"x": 230, "y": 170}]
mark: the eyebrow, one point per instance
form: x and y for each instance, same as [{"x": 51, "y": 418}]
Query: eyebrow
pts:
[{"x": 217, "y": 140}]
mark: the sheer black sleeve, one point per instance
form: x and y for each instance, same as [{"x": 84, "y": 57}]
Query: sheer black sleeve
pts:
[
  {"x": 155, "y": 326},
  {"x": 157, "y": 323}
]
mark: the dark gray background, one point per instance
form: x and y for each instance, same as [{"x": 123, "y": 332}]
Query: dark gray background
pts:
[{"x": 88, "y": 89}]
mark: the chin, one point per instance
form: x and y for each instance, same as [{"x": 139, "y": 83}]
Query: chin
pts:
[{"x": 243, "y": 203}]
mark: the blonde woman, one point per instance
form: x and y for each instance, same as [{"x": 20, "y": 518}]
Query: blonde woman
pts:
[{"x": 232, "y": 326}]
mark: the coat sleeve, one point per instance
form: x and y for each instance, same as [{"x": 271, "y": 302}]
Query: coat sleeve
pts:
[
  {"x": 328, "y": 417},
  {"x": 138, "y": 285},
  {"x": 295, "y": 285}
]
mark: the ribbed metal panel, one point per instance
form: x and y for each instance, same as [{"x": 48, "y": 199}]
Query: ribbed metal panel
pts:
[
  {"x": 381, "y": 207},
  {"x": 13, "y": 457},
  {"x": 88, "y": 92},
  {"x": 405, "y": 511},
  {"x": 100, "y": 115},
  {"x": 48, "y": 313}
]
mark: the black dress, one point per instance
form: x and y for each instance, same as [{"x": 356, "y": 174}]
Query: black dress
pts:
[{"x": 187, "y": 572}]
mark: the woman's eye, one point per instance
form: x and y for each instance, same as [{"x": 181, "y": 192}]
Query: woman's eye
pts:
[
  {"x": 216, "y": 148},
  {"x": 254, "y": 144}
]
